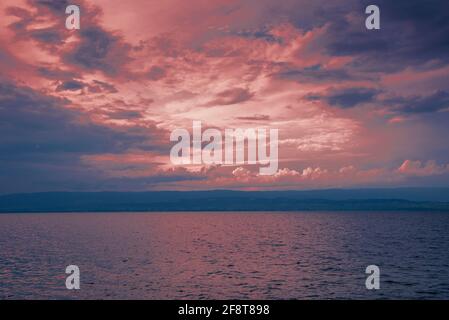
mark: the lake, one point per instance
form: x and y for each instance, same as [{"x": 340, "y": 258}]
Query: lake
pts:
[{"x": 224, "y": 255}]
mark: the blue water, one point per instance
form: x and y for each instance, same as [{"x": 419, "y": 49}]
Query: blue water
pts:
[{"x": 301, "y": 255}]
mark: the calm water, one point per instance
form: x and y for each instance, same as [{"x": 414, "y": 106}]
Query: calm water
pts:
[{"x": 224, "y": 255}]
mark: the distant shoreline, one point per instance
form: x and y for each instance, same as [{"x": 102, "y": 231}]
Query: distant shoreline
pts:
[
  {"x": 392, "y": 211},
  {"x": 410, "y": 199}
]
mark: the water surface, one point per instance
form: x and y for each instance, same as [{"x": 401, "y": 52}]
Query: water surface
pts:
[{"x": 212, "y": 255}]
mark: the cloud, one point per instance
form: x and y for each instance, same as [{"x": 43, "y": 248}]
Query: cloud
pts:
[
  {"x": 125, "y": 114},
  {"x": 42, "y": 141},
  {"x": 435, "y": 102},
  {"x": 418, "y": 168},
  {"x": 241, "y": 173},
  {"x": 288, "y": 178},
  {"x": 92, "y": 48},
  {"x": 351, "y": 97},
  {"x": 231, "y": 96},
  {"x": 156, "y": 73},
  {"x": 28, "y": 27},
  {"x": 54, "y": 6},
  {"x": 318, "y": 177},
  {"x": 411, "y": 35},
  {"x": 117, "y": 86},
  {"x": 56, "y": 73},
  {"x": 33, "y": 122},
  {"x": 99, "y": 50},
  {"x": 256, "y": 117},
  {"x": 98, "y": 86},
  {"x": 71, "y": 85},
  {"x": 315, "y": 74}
]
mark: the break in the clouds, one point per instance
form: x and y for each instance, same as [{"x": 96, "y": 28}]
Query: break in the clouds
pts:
[{"x": 92, "y": 109}]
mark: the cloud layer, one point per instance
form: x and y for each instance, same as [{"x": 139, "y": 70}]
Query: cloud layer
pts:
[{"x": 92, "y": 109}]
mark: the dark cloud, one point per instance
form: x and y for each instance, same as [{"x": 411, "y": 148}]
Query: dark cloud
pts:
[
  {"x": 101, "y": 50},
  {"x": 351, "y": 97},
  {"x": 156, "y": 73},
  {"x": 25, "y": 18},
  {"x": 413, "y": 34},
  {"x": 263, "y": 34},
  {"x": 71, "y": 85},
  {"x": 313, "y": 74},
  {"x": 96, "y": 86},
  {"x": 125, "y": 114},
  {"x": 420, "y": 104},
  {"x": 97, "y": 48},
  {"x": 33, "y": 122},
  {"x": 56, "y": 73},
  {"x": 231, "y": 96},
  {"x": 100, "y": 86},
  {"x": 42, "y": 141},
  {"x": 46, "y": 37},
  {"x": 256, "y": 117},
  {"x": 55, "y": 6}
]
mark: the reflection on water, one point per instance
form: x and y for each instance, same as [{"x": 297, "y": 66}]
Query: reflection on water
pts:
[{"x": 224, "y": 255}]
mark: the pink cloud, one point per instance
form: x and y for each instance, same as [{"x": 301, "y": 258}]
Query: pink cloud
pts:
[
  {"x": 149, "y": 67},
  {"x": 418, "y": 168}
]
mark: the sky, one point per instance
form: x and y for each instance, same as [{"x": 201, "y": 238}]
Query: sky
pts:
[{"x": 92, "y": 109}]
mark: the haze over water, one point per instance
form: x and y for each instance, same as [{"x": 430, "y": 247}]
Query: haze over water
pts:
[{"x": 212, "y": 255}]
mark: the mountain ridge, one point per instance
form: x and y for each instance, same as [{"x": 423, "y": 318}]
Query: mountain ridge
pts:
[{"x": 381, "y": 199}]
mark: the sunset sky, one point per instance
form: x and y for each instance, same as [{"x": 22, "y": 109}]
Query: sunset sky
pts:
[{"x": 92, "y": 109}]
